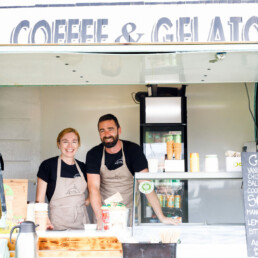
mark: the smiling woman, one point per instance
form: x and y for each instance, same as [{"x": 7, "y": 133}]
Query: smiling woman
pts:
[
  {"x": 68, "y": 141},
  {"x": 63, "y": 180}
]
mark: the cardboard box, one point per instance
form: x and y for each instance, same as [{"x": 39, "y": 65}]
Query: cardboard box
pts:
[
  {"x": 16, "y": 191},
  {"x": 233, "y": 164},
  {"x": 175, "y": 165}
]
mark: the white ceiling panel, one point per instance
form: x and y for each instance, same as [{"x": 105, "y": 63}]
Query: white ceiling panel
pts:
[{"x": 85, "y": 68}]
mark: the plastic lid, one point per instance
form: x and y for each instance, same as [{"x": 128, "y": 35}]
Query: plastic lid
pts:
[
  {"x": 211, "y": 156},
  {"x": 27, "y": 227}
]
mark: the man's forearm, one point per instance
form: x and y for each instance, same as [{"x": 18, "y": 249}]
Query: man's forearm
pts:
[
  {"x": 154, "y": 201},
  {"x": 95, "y": 201}
]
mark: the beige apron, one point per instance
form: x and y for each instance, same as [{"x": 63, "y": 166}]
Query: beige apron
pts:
[
  {"x": 118, "y": 180},
  {"x": 67, "y": 205}
]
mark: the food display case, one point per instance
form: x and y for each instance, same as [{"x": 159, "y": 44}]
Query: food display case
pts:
[
  {"x": 210, "y": 198},
  {"x": 163, "y": 137},
  {"x": 163, "y": 133}
]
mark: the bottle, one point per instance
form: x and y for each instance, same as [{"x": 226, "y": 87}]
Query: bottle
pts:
[
  {"x": 148, "y": 212},
  {"x": 171, "y": 200},
  {"x": 164, "y": 200},
  {"x": 178, "y": 202},
  {"x": 178, "y": 214},
  {"x": 194, "y": 162}
]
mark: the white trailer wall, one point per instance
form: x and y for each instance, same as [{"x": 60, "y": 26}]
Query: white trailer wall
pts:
[{"x": 31, "y": 118}]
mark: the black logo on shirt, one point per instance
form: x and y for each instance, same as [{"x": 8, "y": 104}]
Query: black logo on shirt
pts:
[{"x": 119, "y": 162}]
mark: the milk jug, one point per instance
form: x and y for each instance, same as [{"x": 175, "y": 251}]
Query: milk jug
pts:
[{"x": 26, "y": 241}]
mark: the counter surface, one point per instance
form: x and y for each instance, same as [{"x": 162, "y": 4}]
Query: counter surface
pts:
[
  {"x": 197, "y": 240},
  {"x": 190, "y": 175},
  {"x": 202, "y": 241}
]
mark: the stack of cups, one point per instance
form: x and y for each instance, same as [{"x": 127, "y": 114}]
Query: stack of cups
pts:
[
  {"x": 170, "y": 147},
  {"x": 178, "y": 150},
  {"x": 170, "y": 150},
  {"x": 31, "y": 212},
  {"x": 177, "y": 146},
  {"x": 41, "y": 216}
]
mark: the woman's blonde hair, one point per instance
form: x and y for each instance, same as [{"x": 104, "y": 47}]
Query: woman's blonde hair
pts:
[{"x": 65, "y": 131}]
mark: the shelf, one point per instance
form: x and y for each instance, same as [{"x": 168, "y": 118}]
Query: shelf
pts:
[{"x": 190, "y": 175}]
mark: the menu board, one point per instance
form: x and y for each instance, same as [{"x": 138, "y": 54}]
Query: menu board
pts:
[{"x": 250, "y": 183}]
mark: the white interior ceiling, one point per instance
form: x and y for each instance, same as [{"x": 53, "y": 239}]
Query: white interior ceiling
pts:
[{"x": 87, "y": 68}]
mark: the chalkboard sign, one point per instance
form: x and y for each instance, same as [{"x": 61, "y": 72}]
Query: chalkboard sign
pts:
[
  {"x": 250, "y": 182},
  {"x": 148, "y": 250}
]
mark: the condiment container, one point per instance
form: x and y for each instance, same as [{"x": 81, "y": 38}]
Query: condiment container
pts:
[
  {"x": 211, "y": 163},
  {"x": 194, "y": 162}
]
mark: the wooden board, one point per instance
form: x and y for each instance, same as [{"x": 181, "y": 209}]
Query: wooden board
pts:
[
  {"x": 79, "y": 243},
  {"x": 72, "y": 254},
  {"x": 16, "y": 192},
  {"x": 81, "y": 254},
  {"x": 70, "y": 247}
]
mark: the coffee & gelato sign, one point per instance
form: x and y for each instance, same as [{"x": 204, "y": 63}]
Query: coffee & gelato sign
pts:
[{"x": 69, "y": 22}]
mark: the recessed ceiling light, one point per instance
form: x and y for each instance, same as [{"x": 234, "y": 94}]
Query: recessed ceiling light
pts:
[
  {"x": 66, "y": 64},
  {"x": 74, "y": 71}
]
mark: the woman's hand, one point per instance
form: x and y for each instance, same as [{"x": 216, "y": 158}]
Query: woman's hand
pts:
[
  {"x": 49, "y": 225},
  {"x": 87, "y": 201}
]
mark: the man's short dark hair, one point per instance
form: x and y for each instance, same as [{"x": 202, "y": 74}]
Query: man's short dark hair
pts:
[{"x": 109, "y": 117}]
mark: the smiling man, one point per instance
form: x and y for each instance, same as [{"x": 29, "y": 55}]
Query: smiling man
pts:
[{"x": 111, "y": 167}]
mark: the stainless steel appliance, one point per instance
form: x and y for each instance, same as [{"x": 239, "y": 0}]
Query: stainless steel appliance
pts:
[{"x": 26, "y": 241}]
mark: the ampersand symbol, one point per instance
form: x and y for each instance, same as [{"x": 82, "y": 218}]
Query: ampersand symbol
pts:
[{"x": 127, "y": 29}]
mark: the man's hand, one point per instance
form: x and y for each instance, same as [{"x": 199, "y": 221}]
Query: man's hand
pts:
[
  {"x": 171, "y": 221},
  {"x": 99, "y": 224}
]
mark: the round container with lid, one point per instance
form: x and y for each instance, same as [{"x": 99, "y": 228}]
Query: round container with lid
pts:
[{"x": 211, "y": 163}]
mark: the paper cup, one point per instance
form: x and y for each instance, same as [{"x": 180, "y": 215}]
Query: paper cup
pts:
[
  {"x": 153, "y": 165},
  {"x": 41, "y": 216}
]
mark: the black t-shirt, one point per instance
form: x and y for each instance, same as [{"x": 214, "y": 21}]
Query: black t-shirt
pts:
[
  {"x": 48, "y": 172},
  {"x": 134, "y": 157}
]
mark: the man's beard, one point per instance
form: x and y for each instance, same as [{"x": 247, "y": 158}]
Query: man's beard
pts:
[{"x": 110, "y": 144}]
